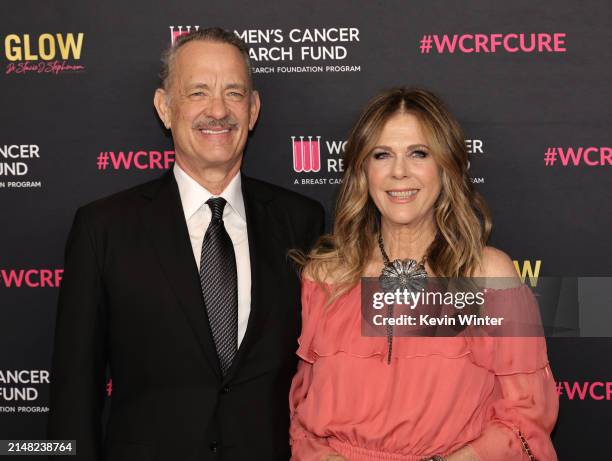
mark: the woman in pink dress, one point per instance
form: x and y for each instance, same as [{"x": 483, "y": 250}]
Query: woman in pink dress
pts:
[{"x": 406, "y": 196}]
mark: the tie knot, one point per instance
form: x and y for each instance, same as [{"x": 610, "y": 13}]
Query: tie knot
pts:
[{"x": 216, "y": 207}]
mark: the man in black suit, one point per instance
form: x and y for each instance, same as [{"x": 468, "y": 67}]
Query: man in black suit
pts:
[{"x": 183, "y": 287}]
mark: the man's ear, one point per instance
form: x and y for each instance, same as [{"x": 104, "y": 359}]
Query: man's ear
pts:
[
  {"x": 160, "y": 101},
  {"x": 255, "y": 105}
]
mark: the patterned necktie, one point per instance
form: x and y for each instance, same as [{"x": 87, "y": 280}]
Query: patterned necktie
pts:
[{"x": 219, "y": 281}]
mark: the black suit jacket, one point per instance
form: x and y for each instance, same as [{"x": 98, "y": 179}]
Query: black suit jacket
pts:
[{"x": 131, "y": 297}]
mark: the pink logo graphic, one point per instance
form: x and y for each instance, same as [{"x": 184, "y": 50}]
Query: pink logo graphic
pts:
[
  {"x": 306, "y": 154},
  {"x": 492, "y": 43},
  {"x": 585, "y": 390},
  {"x": 140, "y": 160},
  {"x": 181, "y": 30},
  {"x": 569, "y": 156},
  {"x": 31, "y": 278}
]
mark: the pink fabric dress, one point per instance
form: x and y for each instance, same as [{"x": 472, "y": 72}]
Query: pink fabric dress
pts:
[{"x": 436, "y": 396}]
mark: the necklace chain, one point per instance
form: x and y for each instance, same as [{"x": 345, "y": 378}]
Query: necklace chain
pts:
[{"x": 386, "y": 259}]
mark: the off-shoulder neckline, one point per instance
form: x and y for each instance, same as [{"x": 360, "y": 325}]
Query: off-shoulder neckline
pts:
[{"x": 486, "y": 289}]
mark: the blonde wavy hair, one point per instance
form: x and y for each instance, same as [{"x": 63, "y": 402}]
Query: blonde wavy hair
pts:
[{"x": 462, "y": 219}]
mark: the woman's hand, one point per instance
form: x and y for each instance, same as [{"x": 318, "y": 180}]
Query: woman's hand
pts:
[
  {"x": 333, "y": 457},
  {"x": 463, "y": 454}
]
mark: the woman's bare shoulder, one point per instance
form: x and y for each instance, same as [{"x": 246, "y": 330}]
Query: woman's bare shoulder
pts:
[{"x": 497, "y": 265}]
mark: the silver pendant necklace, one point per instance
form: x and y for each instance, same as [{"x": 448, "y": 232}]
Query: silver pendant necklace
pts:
[{"x": 399, "y": 274}]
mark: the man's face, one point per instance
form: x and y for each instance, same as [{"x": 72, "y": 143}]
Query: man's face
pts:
[{"x": 209, "y": 105}]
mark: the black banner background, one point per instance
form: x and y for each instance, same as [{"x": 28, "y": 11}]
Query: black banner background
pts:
[{"x": 517, "y": 105}]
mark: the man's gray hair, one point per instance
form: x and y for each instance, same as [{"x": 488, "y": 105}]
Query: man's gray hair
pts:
[{"x": 211, "y": 34}]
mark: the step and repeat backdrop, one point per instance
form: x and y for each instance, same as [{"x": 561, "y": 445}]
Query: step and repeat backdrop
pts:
[{"x": 529, "y": 81}]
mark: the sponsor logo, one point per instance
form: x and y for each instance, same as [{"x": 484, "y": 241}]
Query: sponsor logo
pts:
[
  {"x": 308, "y": 160},
  {"x": 297, "y": 50},
  {"x": 530, "y": 43},
  {"x": 19, "y": 389},
  {"x": 578, "y": 156},
  {"x": 306, "y": 154},
  {"x": 135, "y": 160},
  {"x": 47, "y": 53},
  {"x": 15, "y": 162},
  {"x": 316, "y": 50}
]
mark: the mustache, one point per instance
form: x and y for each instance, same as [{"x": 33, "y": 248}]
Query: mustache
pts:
[{"x": 208, "y": 123}]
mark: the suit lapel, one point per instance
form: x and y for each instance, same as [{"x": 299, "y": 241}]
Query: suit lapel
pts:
[{"x": 170, "y": 239}]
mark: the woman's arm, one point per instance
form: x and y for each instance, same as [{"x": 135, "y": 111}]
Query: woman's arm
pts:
[{"x": 305, "y": 446}]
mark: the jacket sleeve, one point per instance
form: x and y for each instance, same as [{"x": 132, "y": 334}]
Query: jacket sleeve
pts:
[{"x": 79, "y": 354}]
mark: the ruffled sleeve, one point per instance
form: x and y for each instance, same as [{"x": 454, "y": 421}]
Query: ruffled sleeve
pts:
[
  {"x": 524, "y": 394},
  {"x": 527, "y": 403},
  {"x": 305, "y": 446},
  {"x": 313, "y": 300}
]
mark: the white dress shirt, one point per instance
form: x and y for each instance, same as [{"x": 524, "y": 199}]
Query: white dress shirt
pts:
[{"x": 198, "y": 215}]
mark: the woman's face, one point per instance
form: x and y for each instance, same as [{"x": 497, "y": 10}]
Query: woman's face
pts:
[{"x": 403, "y": 177}]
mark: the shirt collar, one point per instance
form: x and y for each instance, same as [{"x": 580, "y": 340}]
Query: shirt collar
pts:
[{"x": 193, "y": 195}]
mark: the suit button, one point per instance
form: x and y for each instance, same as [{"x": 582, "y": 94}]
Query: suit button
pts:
[
  {"x": 226, "y": 390},
  {"x": 213, "y": 446}
]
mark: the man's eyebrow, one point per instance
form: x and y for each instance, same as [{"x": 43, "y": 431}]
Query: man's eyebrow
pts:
[
  {"x": 236, "y": 86},
  {"x": 198, "y": 85},
  {"x": 229, "y": 86}
]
